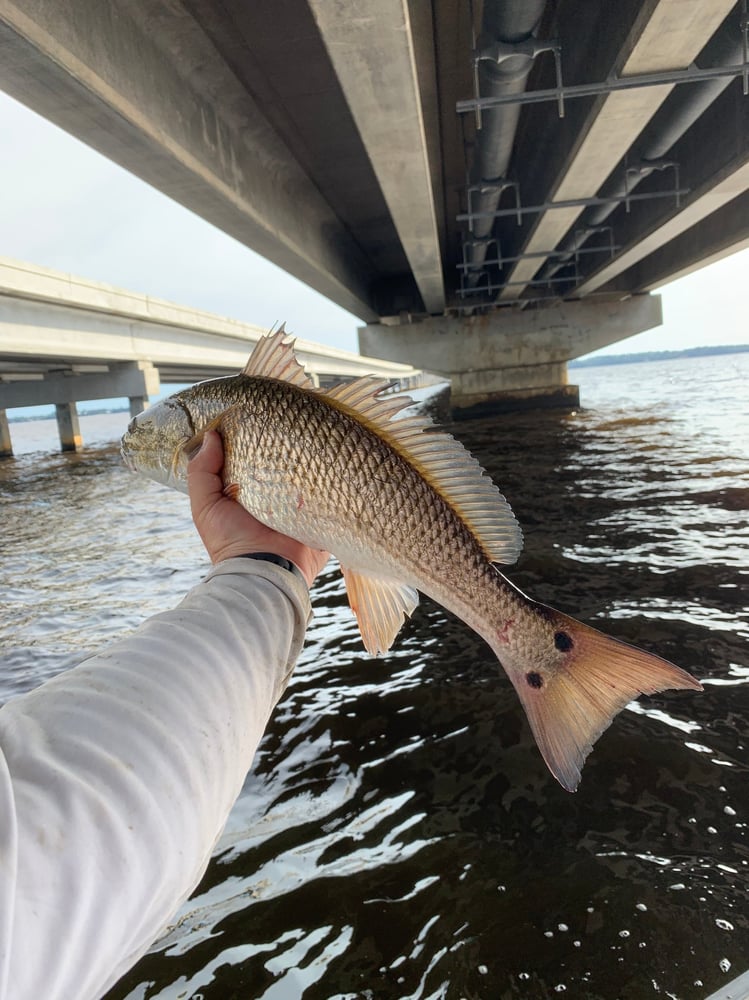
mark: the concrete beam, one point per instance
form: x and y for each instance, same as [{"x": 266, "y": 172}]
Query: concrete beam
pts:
[
  {"x": 512, "y": 359},
  {"x": 670, "y": 38},
  {"x": 720, "y": 235},
  {"x": 714, "y": 155},
  {"x": 178, "y": 117},
  {"x": 130, "y": 380},
  {"x": 49, "y": 319},
  {"x": 42, "y": 284},
  {"x": 371, "y": 47}
]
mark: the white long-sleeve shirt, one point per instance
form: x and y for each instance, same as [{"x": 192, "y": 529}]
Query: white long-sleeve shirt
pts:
[{"x": 117, "y": 777}]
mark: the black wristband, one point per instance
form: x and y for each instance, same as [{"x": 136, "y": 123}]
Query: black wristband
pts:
[{"x": 271, "y": 557}]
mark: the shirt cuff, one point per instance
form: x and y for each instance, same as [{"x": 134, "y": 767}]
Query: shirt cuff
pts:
[{"x": 292, "y": 586}]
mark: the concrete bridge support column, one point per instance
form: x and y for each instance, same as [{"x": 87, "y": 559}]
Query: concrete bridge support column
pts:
[
  {"x": 6, "y": 445},
  {"x": 68, "y": 427},
  {"x": 512, "y": 359},
  {"x": 137, "y": 404}
]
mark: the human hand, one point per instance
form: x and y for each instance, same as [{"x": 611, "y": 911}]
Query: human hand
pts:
[{"x": 226, "y": 528}]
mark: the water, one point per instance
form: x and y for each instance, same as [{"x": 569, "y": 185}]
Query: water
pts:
[{"x": 399, "y": 836}]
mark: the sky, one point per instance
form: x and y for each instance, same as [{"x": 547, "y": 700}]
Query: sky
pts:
[{"x": 64, "y": 206}]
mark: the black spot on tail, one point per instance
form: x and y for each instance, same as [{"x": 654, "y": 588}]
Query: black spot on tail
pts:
[
  {"x": 563, "y": 642},
  {"x": 534, "y": 679}
]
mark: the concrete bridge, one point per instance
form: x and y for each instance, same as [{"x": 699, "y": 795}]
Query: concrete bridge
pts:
[
  {"x": 494, "y": 188},
  {"x": 64, "y": 339}
]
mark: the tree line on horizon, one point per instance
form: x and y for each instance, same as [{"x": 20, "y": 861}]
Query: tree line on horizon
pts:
[{"x": 687, "y": 352}]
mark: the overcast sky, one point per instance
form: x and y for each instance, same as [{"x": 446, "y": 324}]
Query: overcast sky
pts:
[{"x": 64, "y": 206}]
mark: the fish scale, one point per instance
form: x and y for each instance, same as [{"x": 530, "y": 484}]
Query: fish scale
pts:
[
  {"x": 377, "y": 487},
  {"x": 404, "y": 511}
]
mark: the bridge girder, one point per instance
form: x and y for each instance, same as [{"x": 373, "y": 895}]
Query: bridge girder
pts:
[{"x": 325, "y": 136}]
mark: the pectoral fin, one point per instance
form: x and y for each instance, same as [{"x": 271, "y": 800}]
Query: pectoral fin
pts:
[{"x": 380, "y": 606}]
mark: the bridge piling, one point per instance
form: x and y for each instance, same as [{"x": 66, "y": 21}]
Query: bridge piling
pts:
[
  {"x": 6, "y": 444},
  {"x": 511, "y": 359},
  {"x": 68, "y": 427},
  {"x": 137, "y": 404}
]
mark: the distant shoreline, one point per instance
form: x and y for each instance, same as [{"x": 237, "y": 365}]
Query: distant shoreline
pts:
[
  {"x": 50, "y": 415},
  {"x": 606, "y": 359},
  {"x": 633, "y": 359}
]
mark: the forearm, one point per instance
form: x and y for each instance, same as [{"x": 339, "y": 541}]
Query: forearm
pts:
[{"x": 123, "y": 771}]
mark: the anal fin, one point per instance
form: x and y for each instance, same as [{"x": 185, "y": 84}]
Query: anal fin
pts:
[{"x": 380, "y": 606}]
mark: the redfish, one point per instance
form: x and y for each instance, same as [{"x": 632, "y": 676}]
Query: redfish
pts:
[{"x": 405, "y": 508}]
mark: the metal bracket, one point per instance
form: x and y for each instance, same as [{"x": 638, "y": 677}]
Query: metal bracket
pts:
[
  {"x": 467, "y": 268},
  {"x": 497, "y": 52},
  {"x": 693, "y": 74},
  {"x": 501, "y": 260},
  {"x": 499, "y": 286},
  {"x": 485, "y": 187},
  {"x": 569, "y": 203},
  {"x": 744, "y": 25},
  {"x": 645, "y": 167},
  {"x": 557, "y": 50}
]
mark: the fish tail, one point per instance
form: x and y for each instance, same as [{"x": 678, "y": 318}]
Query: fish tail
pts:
[{"x": 573, "y": 693}]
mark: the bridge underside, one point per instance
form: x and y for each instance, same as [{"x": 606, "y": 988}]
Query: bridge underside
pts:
[{"x": 413, "y": 166}]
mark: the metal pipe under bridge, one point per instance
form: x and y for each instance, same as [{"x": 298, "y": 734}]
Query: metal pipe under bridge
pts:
[{"x": 64, "y": 339}]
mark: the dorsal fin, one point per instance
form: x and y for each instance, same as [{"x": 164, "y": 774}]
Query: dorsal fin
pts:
[
  {"x": 366, "y": 396},
  {"x": 274, "y": 357},
  {"x": 442, "y": 460}
]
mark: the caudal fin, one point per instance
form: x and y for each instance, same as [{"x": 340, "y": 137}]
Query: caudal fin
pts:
[{"x": 575, "y": 694}]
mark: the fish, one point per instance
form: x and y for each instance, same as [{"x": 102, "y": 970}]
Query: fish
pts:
[{"x": 406, "y": 509}]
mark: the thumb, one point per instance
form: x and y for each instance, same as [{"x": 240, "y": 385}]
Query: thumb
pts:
[
  {"x": 209, "y": 457},
  {"x": 204, "y": 484}
]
